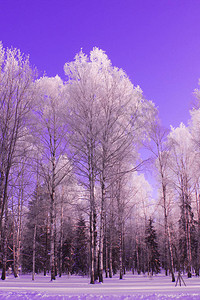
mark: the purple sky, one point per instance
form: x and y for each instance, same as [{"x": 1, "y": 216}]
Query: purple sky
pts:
[{"x": 157, "y": 42}]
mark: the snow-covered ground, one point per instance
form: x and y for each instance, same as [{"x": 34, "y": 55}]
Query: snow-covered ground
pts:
[{"x": 75, "y": 287}]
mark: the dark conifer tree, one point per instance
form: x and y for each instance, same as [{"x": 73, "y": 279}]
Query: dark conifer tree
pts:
[
  {"x": 68, "y": 246},
  {"x": 194, "y": 246},
  {"x": 187, "y": 240},
  {"x": 81, "y": 255},
  {"x": 37, "y": 214},
  {"x": 152, "y": 248}
]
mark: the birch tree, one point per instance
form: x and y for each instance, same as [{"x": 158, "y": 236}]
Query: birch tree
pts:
[
  {"x": 83, "y": 87},
  {"x": 50, "y": 131},
  {"x": 182, "y": 162},
  {"x": 161, "y": 153},
  {"x": 16, "y": 102},
  {"x": 107, "y": 121},
  {"x": 194, "y": 127},
  {"x": 122, "y": 127}
]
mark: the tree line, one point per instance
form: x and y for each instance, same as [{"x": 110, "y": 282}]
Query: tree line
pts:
[{"x": 73, "y": 197}]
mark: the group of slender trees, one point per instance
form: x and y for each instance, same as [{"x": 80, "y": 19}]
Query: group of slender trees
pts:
[{"x": 73, "y": 198}]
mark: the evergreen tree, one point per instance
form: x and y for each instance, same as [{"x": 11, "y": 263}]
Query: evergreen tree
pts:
[
  {"x": 152, "y": 248},
  {"x": 37, "y": 214},
  {"x": 68, "y": 247},
  {"x": 187, "y": 239},
  {"x": 81, "y": 255}
]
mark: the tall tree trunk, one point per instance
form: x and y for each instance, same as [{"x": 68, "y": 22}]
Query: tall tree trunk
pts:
[
  {"x": 91, "y": 247},
  {"x": 166, "y": 239},
  {"x": 14, "y": 242},
  {"x": 52, "y": 238},
  {"x": 187, "y": 233},
  {"x": 55, "y": 248},
  {"x": 4, "y": 196},
  {"x": 101, "y": 237},
  {"x": 111, "y": 225},
  {"x": 198, "y": 248},
  {"x": 171, "y": 254},
  {"x": 5, "y": 240},
  {"x": 96, "y": 250},
  {"x": 137, "y": 258},
  {"x": 168, "y": 246},
  {"x": 120, "y": 231},
  {"x": 61, "y": 240},
  {"x": 19, "y": 226},
  {"x": 2, "y": 182},
  {"x": 198, "y": 234},
  {"x": 52, "y": 217},
  {"x": 110, "y": 260},
  {"x": 189, "y": 252},
  {"x": 92, "y": 214},
  {"x": 46, "y": 245},
  {"x": 34, "y": 250},
  {"x": 123, "y": 248},
  {"x": 14, "y": 257},
  {"x": 120, "y": 256},
  {"x": 35, "y": 226},
  {"x": 106, "y": 247}
]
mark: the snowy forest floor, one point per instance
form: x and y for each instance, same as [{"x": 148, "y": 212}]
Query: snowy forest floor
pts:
[{"x": 75, "y": 287}]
